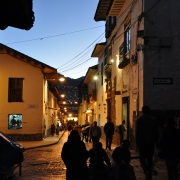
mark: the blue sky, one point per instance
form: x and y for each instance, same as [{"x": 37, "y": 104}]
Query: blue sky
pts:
[{"x": 64, "y": 35}]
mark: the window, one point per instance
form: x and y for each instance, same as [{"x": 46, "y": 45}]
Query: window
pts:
[
  {"x": 15, "y": 90},
  {"x": 15, "y": 121},
  {"x": 102, "y": 67},
  {"x": 124, "y": 49},
  {"x": 127, "y": 38}
]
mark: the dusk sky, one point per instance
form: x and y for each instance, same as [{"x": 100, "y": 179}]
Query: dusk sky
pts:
[{"x": 64, "y": 35}]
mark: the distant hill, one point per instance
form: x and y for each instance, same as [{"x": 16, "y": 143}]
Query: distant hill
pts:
[
  {"x": 70, "y": 88},
  {"x": 75, "y": 82}
]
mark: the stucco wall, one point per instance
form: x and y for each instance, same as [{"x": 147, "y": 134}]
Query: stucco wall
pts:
[
  {"x": 162, "y": 25},
  {"x": 11, "y": 67}
]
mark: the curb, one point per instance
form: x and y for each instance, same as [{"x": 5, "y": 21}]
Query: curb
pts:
[{"x": 45, "y": 144}]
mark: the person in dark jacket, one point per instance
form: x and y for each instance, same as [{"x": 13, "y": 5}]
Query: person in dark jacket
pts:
[
  {"x": 95, "y": 133},
  {"x": 99, "y": 163},
  {"x": 109, "y": 131},
  {"x": 121, "y": 162},
  {"x": 169, "y": 145},
  {"x": 74, "y": 155},
  {"x": 147, "y": 136}
]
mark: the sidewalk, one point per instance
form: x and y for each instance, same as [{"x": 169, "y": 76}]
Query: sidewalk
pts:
[{"x": 45, "y": 142}]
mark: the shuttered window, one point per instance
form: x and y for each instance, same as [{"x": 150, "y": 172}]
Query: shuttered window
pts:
[{"x": 15, "y": 90}]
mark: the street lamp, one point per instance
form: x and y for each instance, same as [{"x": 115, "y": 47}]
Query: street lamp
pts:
[
  {"x": 62, "y": 95},
  {"x": 62, "y": 79}
]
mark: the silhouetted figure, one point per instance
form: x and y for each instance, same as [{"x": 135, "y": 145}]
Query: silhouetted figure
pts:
[
  {"x": 52, "y": 129},
  {"x": 98, "y": 169},
  {"x": 147, "y": 134},
  {"x": 90, "y": 138},
  {"x": 170, "y": 147},
  {"x": 95, "y": 133},
  {"x": 109, "y": 131},
  {"x": 85, "y": 133},
  {"x": 57, "y": 129},
  {"x": 74, "y": 155},
  {"x": 69, "y": 127},
  {"x": 122, "y": 170},
  {"x": 122, "y": 130},
  {"x": 13, "y": 121}
]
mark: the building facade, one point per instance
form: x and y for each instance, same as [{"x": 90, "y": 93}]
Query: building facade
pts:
[
  {"x": 138, "y": 64},
  {"x": 28, "y": 107}
]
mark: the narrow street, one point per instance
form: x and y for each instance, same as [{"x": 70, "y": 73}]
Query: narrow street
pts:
[{"x": 45, "y": 164}]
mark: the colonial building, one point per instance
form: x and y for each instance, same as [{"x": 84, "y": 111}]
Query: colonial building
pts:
[
  {"x": 139, "y": 61},
  {"x": 28, "y": 97}
]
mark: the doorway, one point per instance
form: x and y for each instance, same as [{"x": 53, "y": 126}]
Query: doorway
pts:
[{"x": 125, "y": 115}]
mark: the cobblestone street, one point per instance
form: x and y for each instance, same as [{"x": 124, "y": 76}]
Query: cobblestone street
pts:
[{"x": 45, "y": 164}]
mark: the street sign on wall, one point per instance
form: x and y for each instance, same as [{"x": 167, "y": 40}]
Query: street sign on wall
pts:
[{"x": 163, "y": 81}]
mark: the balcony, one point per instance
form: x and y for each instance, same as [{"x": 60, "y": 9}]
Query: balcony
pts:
[
  {"x": 92, "y": 96},
  {"x": 124, "y": 57},
  {"x": 110, "y": 25},
  {"x": 107, "y": 71}
]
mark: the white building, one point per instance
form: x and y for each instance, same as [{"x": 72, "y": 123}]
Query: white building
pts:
[{"x": 139, "y": 62}]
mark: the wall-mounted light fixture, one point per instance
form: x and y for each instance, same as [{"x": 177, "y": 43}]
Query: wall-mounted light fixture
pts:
[{"x": 95, "y": 77}]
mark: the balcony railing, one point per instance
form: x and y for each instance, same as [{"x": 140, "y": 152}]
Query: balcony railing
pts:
[
  {"x": 110, "y": 25},
  {"x": 92, "y": 96},
  {"x": 124, "y": 58}
]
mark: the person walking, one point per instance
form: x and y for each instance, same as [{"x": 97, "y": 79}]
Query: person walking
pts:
[
  {"x": 121, "y": 162},
  {"x": 169, "y": 145},
  {"x": 74, "y": 154},
  {"x": 57, "y": 129},
  {"x": 100, "y": 166},
  {"x": 122, "y": 130},
  {"x": 109, "y": 131},
  {"x": 95, "y": 133},
  {"x": 147, "y": 135}
]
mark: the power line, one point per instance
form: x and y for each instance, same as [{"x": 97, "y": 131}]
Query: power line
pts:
[
  {"x": 78, "y": 60},
  {"x": 76, "y": 66},
  {"x": 41, "y": 38},
  {"x": 79, "y": 71},
  {"x": 82, "y": 51}
]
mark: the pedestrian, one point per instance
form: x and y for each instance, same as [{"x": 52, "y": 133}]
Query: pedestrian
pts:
[
  {"x": 100, "y": 166},
  {"x": 83, "y": 132},
  {"x": 147, "y": 135},
  {"x": 52, "y": 129},
  {"x": 169, "y": 145},
  {"x": 95, "y": 133},
  {"x": 122, "y": 130},
  {"x": 109, "y": 131},
  {"x": 90, "y": 139},
  {"x": 57, "y": 129},
  {"x": 74, "y": 155},
  {"x": 121, "y": 162},
  {"x": 87, "y": 133},
  {"x": 69, "y": 128}
]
